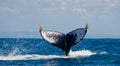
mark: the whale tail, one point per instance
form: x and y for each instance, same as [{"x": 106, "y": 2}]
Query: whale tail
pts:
[{"x": 64, "y": 41}]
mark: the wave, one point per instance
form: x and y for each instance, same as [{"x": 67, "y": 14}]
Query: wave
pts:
[{"x": 73, "y": 54}]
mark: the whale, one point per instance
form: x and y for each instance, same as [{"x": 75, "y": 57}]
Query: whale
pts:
[{"x": 64, "y": 41}]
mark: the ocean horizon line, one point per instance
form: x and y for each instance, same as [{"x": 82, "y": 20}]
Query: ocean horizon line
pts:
[{"x": 41, "y": 38}]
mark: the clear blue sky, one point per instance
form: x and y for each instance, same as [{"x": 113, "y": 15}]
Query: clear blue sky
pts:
[{"x": 103, "y": 16}]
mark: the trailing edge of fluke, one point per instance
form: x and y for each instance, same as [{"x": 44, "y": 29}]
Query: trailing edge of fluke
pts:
[{"x": 64, "y": 41}]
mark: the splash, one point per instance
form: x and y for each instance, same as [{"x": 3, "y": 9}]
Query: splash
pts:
[
  {"x": 14, "y": 52},
  {"x": 73, "y": 54}
]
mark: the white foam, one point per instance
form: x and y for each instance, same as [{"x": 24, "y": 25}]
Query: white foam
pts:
[
  {"x": 73, "y": 54},
  {"x": 81, "y": 53},
  {"x": 104, "y": 52},
  {"x": 29, "y": 57}
]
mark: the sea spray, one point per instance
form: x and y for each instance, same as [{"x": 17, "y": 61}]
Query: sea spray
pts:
[{"x": 14, "y": 52}]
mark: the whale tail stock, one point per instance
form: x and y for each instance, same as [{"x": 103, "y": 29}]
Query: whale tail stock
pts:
[{"x": 64, "y": 41}]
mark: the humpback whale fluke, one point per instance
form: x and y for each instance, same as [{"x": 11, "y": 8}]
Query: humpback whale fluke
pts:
[{"x": 64, "y": 41}]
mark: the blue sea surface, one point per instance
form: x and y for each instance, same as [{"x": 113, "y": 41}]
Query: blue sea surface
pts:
[{"x": 37, "y": 52}]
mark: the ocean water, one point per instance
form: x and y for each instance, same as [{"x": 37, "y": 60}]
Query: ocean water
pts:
[{"x": 37, "y": 52}]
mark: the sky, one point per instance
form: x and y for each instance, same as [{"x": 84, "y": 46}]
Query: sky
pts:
[{"x": 103, "y": 16}]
